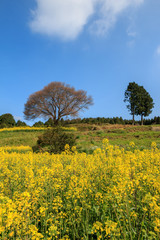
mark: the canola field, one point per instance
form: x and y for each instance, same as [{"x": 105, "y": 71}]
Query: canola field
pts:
[{"x": 110, "y": 194}]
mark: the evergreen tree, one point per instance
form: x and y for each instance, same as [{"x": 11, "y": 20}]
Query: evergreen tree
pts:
[
  {"x": 130, "y": 96},
  {"x": 144, "y": 104},
  {"x": 139, "y": 101}
]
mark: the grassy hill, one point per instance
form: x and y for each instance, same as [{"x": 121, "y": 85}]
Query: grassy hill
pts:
[{"x": 88, "y": 136}]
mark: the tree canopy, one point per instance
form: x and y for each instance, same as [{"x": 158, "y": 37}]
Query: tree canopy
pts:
[
  {"x": 56, "y": 100},
  {"x": 145, "y": 103},
  {"x": 7, "y": 120},
  {"x": 131, "y": 99},
  {"x": 139, "y": 101}
]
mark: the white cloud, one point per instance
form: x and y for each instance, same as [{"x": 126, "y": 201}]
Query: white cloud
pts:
[
  {"x": 67, "y": 18},
  {"x": 63, "y": 18},
  {"x": 158, "y": 50}
]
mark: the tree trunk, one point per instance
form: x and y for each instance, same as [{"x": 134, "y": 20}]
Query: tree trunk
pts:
[
  {"x": 133, "y": 121},
  {"x": 141, "y": 119},
  {"x": 56, "y": 122}
]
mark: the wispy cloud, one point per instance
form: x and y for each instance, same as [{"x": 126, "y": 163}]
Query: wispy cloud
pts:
[
  {"x": 109, "y": 12},
  {"x": 67, "y": 18},
  {"x": 131, "y": 33},
  {"x": 158, "y": 50},
  {"x": 17, "y": 118}
]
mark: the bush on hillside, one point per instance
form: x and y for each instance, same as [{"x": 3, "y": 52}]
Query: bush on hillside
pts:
[
  {"x": 7, "y": 120},
  {"x": 49, "y": 123},
  {"x": 3, "y": 125},
  {"x": 54, "y": 141}
]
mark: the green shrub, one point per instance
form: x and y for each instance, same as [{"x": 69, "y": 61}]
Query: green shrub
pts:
[
  {"x": 3, "y": 125},
  {"x": 49, "y": 123},
  {"x": 38, "y": 124},
  {"x": 7, "y": 120},
  {"x": 54, "y": 141},
  {"x": 19, "y": 123}
]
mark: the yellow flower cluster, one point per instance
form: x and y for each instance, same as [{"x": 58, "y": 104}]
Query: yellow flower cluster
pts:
[
  {"x": 18, "y": 149},
  {"x": 110, "y": 194},
  {"x": 14, "y": 129},
  {"x": 34, "y": 129},
  {"x": 69, "y": 128}
]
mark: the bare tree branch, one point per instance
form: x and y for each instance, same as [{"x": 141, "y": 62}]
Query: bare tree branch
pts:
[{"x": 56, "y": 101}]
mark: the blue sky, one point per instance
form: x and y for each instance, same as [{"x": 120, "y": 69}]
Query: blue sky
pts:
[{"x": 95, "y": 45}]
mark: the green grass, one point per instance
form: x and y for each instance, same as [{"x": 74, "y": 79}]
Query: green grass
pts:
[
  {"x": 141, "y": 136},
  {"x": 19, "y": 138},
  {"x": 88, "y": 137}
]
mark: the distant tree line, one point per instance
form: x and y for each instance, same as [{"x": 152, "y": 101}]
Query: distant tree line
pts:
[
  {"x": 114, "y": 120},
  {"x": 98, "y": 121},
  {"x": 8, "y": 121}
]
